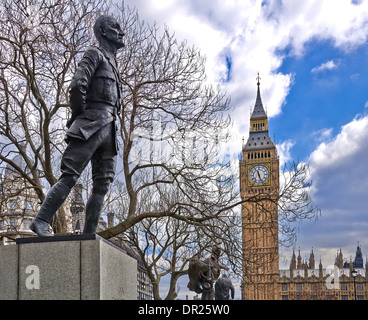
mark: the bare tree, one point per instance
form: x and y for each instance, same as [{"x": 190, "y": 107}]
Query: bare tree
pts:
[
  {"x": 162, "y": 78},
  {"x": 172, "y": 125},
  {"x": 294, "y": 202},
  {"x": 165, "y": 246}
]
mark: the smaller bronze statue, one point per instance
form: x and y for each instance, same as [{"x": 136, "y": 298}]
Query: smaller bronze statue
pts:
[
  {"x": 202, "y": 274},
  {"x": 222, "y": 287}
]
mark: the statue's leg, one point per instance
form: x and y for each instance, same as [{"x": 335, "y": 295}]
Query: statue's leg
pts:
[
  {"x": 93, "y": 211},
  {"x": 103, "y": 171},
  {"x": 53, "y": 201},
  {"x": 75, "y": 158}
]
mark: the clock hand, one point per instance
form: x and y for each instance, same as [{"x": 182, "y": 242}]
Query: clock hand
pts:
[{"x": 259, "y": 176}]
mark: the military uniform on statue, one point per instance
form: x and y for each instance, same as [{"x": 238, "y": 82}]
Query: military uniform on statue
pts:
[{"x": 95, "y": 94}]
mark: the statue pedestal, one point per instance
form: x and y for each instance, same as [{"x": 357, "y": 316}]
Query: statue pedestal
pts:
[{"x": 84, "y": 267}]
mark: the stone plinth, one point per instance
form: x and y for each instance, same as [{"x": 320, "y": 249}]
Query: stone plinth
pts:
[{"x": 84, "y": 267}]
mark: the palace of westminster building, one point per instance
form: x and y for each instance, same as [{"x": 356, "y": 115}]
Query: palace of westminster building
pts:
[{"x": 262, "y": 278}]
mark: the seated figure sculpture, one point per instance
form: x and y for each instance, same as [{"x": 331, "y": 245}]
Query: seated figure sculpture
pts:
[{"x": 203, "y": 273}]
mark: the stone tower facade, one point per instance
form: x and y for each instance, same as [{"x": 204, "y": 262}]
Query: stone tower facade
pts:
[{"x": 259, "y": 186}]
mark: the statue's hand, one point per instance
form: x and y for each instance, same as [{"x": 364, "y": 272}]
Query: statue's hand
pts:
[{"x": 72, "y": 118}]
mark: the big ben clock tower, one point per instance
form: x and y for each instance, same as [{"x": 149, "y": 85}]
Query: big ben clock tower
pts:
[{"x": 259, "y": 187}]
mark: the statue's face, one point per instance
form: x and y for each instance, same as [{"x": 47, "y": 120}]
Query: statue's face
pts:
[{"x": 113, "y": 33}]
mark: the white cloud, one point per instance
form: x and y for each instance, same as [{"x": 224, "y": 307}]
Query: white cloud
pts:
[
  {"x": 329, "y": 65},
  {"x": 252, "y": 35},
  {"x": 283, "y": 151},
  {"x": 340, "y": 21},
  {"x": 322, "y": 135},
  {"x": 343, "y": 149},
  {"x": 256, "y": 36},
  {"x": 162, "y": 4},
  {"x": 340, "y": 184}
]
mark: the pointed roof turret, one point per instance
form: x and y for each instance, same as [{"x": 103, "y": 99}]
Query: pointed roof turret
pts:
[
  {"x": 339, "y": 261},
  {"x": 311, "y": 260},
  {"x": 258, "y": 111},
  {"x": 358, "y": 261},
  {"x": 299, "y": 265},
  {"x": 259, "y": 137},
  {"x": 293, "y": 262}
]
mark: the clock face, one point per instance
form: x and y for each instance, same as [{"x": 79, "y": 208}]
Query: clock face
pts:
[{"x": 259, "y": 174}]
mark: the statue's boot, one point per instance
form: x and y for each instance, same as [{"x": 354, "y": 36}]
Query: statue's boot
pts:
[
  {"x": 93, "y": 211},
  {"x": 53, "y": 201},
  {"x": 42, "y": 228}
]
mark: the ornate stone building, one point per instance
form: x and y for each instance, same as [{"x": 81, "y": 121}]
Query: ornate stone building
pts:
[
  {"x": 18, "y": 204},
  {"x": 306, "y": 281}
]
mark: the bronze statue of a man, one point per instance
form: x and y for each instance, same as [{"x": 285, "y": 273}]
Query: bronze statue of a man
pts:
[{"x": 95, "y": 94}]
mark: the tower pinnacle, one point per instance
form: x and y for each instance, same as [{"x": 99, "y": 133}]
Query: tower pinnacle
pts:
[
  {"x": 258, "y": 80},
  {"x": 258, "y": 111}
]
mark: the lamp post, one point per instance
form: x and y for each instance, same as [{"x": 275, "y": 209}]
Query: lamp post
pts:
[{"x": 354, "y": 273}]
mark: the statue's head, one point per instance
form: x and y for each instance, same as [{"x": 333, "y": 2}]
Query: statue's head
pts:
[{"x": 106, "y": 28}]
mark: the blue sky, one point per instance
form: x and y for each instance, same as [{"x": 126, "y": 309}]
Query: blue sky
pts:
[
  {"x": 312, "y": 57},
  {"x": 329, "y": 88}
]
